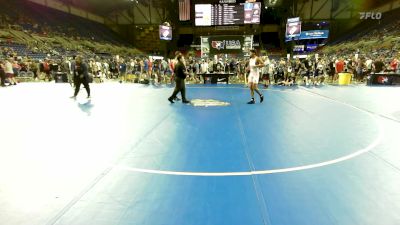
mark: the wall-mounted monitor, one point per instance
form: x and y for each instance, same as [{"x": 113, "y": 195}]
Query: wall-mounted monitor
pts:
[{"x": 165, "y": 32}]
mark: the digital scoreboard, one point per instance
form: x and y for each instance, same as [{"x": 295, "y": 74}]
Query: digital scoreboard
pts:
[{"x": 227, "y": 14}]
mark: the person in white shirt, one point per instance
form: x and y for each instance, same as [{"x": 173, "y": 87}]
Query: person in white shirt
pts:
[
  {"x": 106, "y": 69},
  {"x": 271, "y": 69},
  {"x": 211, "y": 66},
  {"x": 255, "y": 64},
  {"x": 100, "y": 71},
  {"x": 204, "y": 67},
  {"x": 9, "y": 71},
  {"x": 368, "y": 64},
  {"x": 265, "y": 70}
]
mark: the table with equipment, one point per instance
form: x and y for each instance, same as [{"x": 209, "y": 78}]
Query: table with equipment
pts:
[
  {"x": 60, "y": 77},
  {"x": 215, "y": 78},
  {"x": 383, "y": 79}
]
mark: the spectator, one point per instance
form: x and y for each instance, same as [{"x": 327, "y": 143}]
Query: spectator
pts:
[
  {"x": 394, "y": 65},
  {"x": 379, "y": 66},
  {"x": 122, "y": 70},
  {"x": 8, "y": 69},
  {"x": 2, "y": 74},
  {"x": 45, "y": 68}
]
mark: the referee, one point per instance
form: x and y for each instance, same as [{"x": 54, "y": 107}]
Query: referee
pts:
[
  {"x": 180, "y": 76},
  {"x": 81, "y": 76}
]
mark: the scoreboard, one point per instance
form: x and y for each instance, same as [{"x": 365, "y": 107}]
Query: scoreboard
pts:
[{"x": 227, "y": 14}]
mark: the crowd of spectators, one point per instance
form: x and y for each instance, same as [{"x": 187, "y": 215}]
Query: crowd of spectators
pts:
[
  {"x": 316, "y": 69},
  {"x": 376, "y": 49}
]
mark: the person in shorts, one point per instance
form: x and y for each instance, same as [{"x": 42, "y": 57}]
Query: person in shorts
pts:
[{"x": 255, "y": 64}]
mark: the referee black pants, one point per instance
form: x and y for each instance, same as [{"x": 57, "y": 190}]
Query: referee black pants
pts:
[
  {"x": 179, "y": 87},
  {"x": 2, "y": 78},
  {"x": 78, "y": 82}
]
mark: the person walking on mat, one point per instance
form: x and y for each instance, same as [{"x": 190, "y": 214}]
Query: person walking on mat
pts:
[
  {"x": 255, "y": 64},
  {"x": 81, "y": 76},
  {"x": 180, "y": 76}
]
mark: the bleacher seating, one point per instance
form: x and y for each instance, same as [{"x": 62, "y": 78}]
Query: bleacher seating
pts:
[
  {"x": 49, "y": 31},
  {"x": 370, "y": 36}
]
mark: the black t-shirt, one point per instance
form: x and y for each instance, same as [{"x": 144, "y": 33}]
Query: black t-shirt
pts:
[
  {"x": 180, "y": 70},
  {"x": 332, "y": 66},
  {"x": 54, "y": 67},
  {"x": 307, "y": 64},
  {"x": 113, "y": 66},
  {"x": 137, "y": 67},
  {"x": 350, "y": 65},
  {"x": 81, "y": 70},
  {"x": 379, "y": 65},
  {"x": 218, "y": 67}
]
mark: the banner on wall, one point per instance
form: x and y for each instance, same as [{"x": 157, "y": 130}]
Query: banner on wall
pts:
[
  {"x": 314, "y": 34},
  {"x": 235, "y": 44},
  {"x": 298, "y": 48},
  {"x": 310, "y": 34},
  {"x": 311, "y": 47},
  {"x": 226, "y": 44}
]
